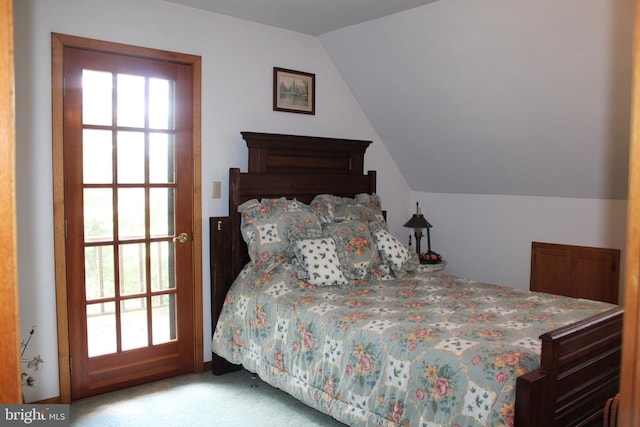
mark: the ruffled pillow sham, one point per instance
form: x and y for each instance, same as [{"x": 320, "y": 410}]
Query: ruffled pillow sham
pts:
[
  {"x": 363, "y": 207},
  {"x": 366, "y": 208},
  {"x": 350, "y": 233},
  {"x": 265, "y": 227}
]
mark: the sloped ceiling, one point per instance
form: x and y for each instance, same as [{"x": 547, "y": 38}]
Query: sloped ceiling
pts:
[
  {"x": 498, "y": 97},
  {"x": 483, "y": 97},
  {"x": 314, "y": 17}
]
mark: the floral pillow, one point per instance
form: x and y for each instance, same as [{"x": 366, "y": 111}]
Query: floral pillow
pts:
[
  {"x": 365, "y": 213},
  {"x": 356, "y": 248},
  {"x": 394, "y": 253},
  {"x": 363, "y": 207},
  {"x": 320, "y": 259},
  {"x": 265, "y": 228},
  {"x": 327, "y": 206}
]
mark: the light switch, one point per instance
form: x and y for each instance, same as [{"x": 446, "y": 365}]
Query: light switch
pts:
[{"x": 215, "y": 190}]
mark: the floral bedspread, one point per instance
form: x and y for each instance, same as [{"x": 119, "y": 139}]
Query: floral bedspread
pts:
[{"x": 425, "y": 350}]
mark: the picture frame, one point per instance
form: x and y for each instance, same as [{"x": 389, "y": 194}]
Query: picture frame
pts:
[{"x": 294, "y": 91}]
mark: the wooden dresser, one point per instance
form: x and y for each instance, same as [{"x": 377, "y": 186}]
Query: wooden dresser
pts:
[{"x": 575, "y": 271}]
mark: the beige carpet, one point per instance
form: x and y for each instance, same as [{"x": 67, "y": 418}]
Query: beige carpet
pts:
[{"x": 198, "y": 400}]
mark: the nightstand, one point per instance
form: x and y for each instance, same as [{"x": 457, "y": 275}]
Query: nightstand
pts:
[{"x": 433, "y": 267}]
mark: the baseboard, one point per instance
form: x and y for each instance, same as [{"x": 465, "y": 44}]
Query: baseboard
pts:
[
  {"x": 51, "y": 401},
  {"x": 208, "y": 366}
]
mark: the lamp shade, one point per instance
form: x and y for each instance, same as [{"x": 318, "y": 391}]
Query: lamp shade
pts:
[{"x": 417, "y": 221}]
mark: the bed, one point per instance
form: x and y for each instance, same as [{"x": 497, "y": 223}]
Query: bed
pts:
[{"x": 408, "y": 347}]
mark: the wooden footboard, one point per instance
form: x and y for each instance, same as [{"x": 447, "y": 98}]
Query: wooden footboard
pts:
[{"x": 580, "y": 370}]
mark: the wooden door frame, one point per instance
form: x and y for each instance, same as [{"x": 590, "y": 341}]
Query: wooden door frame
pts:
[
  {"x": 11, "y": 390},
  {"x": 58, "y": 43},
  {"x": 629, "y": 413}
]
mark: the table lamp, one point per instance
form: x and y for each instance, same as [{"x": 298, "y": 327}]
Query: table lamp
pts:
[{"x": 418, "y": 222}]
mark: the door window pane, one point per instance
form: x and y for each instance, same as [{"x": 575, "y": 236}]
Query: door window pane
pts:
[
  {"x": 97, "y": 156},
  {"x": 161, "y": 155},
  {"x": 161, "y": 212},
  {"x": 131, "y": 214},
  {"x": 130, "y": 157},
  {"x": 162, "y": 276},
  {"x": 101, "y": 329},
  {"x": 134, "y": 323},
  {"x": 97, "y": 97},
  {"x": 131, "y": 100},
  {"x": 98, "y": 272},
  {"x": 163, "y": 313},
  {"x": 98, "y": 214},
  {"x": 132, "y": 269},
  {"x": 160, "y": 104}
]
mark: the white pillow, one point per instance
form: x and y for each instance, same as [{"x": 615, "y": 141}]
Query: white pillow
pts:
[
  {"x": 320, "y": 260},
  {"x": 399, "y": 258}
]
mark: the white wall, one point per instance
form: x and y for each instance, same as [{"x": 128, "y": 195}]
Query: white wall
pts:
[
  {"x": 237, "y": 62},
  {"x": 488, "y": 237}
]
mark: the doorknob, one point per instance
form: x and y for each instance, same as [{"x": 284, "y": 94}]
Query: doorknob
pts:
[{"x": 182, "y": 237}]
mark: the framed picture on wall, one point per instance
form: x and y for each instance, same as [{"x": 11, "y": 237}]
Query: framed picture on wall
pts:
[{"x": 294, "y": 91}]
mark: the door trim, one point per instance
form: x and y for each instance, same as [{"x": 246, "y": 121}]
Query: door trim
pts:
[
  {"x": 58, "y": 43},
  {"x": 9, "y": 317}
]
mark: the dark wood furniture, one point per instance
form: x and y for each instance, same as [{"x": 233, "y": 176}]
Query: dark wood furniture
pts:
[
  {"x": 580, "y": 363},
  {"x": 575, "y": 271},
  {"x": 275, "y": 153},
  {"x": 579, "y": 371}
]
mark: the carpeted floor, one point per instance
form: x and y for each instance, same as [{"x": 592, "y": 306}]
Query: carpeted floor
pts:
[{"x": 198, "y": 400}]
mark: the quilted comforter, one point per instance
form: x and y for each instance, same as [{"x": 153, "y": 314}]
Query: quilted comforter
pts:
[{"x": 425, "y": 350}]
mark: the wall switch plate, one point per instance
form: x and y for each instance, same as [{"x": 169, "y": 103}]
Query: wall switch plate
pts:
[{"x": 215, "y": 190}]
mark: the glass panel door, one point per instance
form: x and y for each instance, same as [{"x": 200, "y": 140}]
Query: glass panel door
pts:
[
  {"x": 128, "y": 193},
  {"x": 128, "y": 180}
]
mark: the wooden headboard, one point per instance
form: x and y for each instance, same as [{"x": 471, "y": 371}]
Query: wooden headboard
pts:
[
  {"x": 292, "y": 166},
  {"x": 277, "y": 153},
  {"x": 298, "y": 167}
]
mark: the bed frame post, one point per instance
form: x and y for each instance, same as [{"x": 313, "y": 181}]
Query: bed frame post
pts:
[
  {"x": 219, "y": 259},
  {"x": 372, "y": 180},
  {"x": 531, "y": 409},
  {"x": 237, "y": 246}
]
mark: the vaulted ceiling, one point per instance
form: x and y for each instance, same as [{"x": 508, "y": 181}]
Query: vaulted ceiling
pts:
[
  {"x": 481, "y": 97},
  {"x": 314, "y": 17}
]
